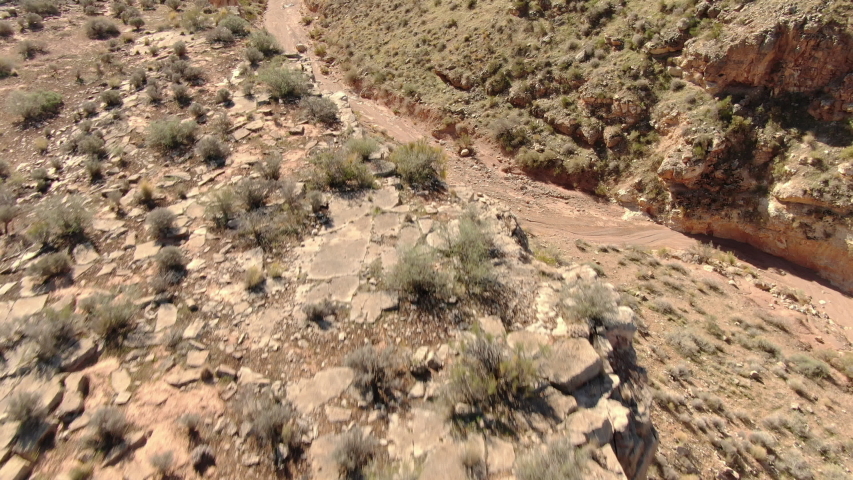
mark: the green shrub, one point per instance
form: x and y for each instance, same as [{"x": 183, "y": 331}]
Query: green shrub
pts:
[
  {"x": 34, "y": 21},
  {"x": 690, "y": 344},
  {"x": 171, "y": 266},
  {"x": 334, "y": 169},
  {"x": 26, "y": 408},
  {"x": 181, "y": 93},
  {"x": 591, "y": 302},
  {"x": 50, "y": 266},
  {"x": 212, "y": 150},
  {"x": 809, "y": 366},
  {"x": 377, "y": 374},
  {"x": 220, "y": 35},
  {"x": 254, "y": 278},
  {"x": 136, "y": 22},
  {"x": 354, "y": 453},
  {"x": 111, "y": 98},
  {"x": 108, "y": 428},
  {"x": 162, "y": 463},
  {"x": 138, "y": 79},
  {"x": 253, "y": 55},
  {"x": 284, "y": 83},
  {"x": 179, "y": 48},
  {"x": 41, "y": 7},
  {"x": 471, "y": 249},
  {"x": 223, "y": 96},
  {"x": 172, "y": 134},
  {"x": 235, "y": 25},
  {"x": 28, "y": 49},
  {"x": 7, "y": 67},
  {"x": 53, "y": 332},
  {"x": 100, "y": 28},
  {"x": 265, "y": 42},
  {"x": 561, "y": 460},
  {"x": 111, "y": 320},
  {"x": 492, "y": 379},
  {"x": 419, "y": 164},
  {"x": 91, "y": 145},
  {"x": 221, "y": 207},
  {"x": 272, "y": 422},
  {"x": 417, "y": 275},
  {"x": 193, "y": 20},
  {"x": 42, "y": 179},
  {"x": 320, "y": 110},
  {"x": 6, "y": 29},
  {"x": 161, "y": 223},
  {"x": 253, "y": 193},
  {"x": 57, "y": 223},
  {"x": 270, "y": 166},
  {"x": 173, "y": 4},
  {"x": 363, "y": 147},
  {"x": 32, "y": 106}
]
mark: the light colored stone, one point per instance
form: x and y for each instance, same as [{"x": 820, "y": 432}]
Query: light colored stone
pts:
[
  {"x": 197, "y": 358},
  {"x": 422, "y": 432},
  {"x": 120, "y": 380},
  {"x": 309, "y": 394},
  {"x": 321, "y": 458},
  {"x": 179, "y": 377},
  {"x": 501, "y": 456},
  {"x": 245, "y": 376},
  {"x": 589, "y": 425},
  {"x": 343, "y": 252},
  {"x": 145, "y": 250},
  {"x": 367, "y": 306},
  {"x": 570, "y": 363},
  {"x": 492, "y": 325},
  {"x": 337, "y": 414},
  {"x": 84, "y": 254},
  {"x": 528, "y": 342},
  {"x": 16, "y": 469},
  {"x": 167, "y": 316},
  {"x": 24, "y": 307}
]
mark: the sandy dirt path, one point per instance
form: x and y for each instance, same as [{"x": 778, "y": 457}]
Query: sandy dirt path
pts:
[{"x": 555, "y": 216}]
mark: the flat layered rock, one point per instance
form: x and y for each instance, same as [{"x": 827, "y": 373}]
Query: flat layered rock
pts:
[
  {"x": 570, "y": 363},
  {"x": 309, "y": 394}
]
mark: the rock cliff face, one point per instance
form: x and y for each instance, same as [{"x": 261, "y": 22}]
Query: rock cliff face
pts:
[
  {"x": 741, "y": 179},
  {"x": 782, "y": 50}
]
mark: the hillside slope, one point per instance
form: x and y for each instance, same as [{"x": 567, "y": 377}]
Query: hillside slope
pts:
[{"x": 726, "y": 118}]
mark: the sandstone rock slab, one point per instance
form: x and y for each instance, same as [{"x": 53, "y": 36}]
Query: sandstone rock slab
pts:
[
  {"x": 309, "y": 394},
  {"x": 570, "y": 363}
]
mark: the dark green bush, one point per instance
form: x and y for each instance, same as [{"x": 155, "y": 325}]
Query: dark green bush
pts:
[
  {"x": 50, "y": 266},
  {"x": 491, "y": 378},
  {"x": 235, "y": 25},
  {"x": 363, "y": 147},
  {"x": 265, "y": 43},
  {"x": 354, "y": 453},
  {"x": 111, "y": 98},
  {"x": 172, "y": 134},
  {"x": 32, "y": 106},
  {"x": 221, "y": 207},
  {"x": 108, "y": 428},
  {"x": 320, "y": 110},
  {"x": 6, "y": 29},
  {"x": 111, "y": 320},
  {"x": 253, "y": 55},
  {"x": 378, "y": 375},
  {"x": 30, "y": 48},
  {"x": 472, "y": 250},
  {"x": 417, "y": 274},
  {"x": 101, "y": 28},
  {"x": 7, "y": 67},
  {"x": 284, "y": 83},
  {"x": 212, "y": 150},
  {"x": 419, "y": 164},
  {"x": 41, "y": 7},
  {"x": 161, "y": 222},
  {"x": 336, "y": 170},
  {"x": 53, "y": 332},
  {"x": 58, "y": 223},
  {"x": 220, "y": 35}
]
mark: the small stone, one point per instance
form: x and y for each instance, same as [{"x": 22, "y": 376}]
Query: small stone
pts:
[
  {"x": 226, "y": 371},
  {"x": 418, "y": 390},
  {"x": 122, "y": 398},
  {"x": 196, "y": 358}
]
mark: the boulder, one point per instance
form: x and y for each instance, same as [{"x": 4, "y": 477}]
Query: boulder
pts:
[{"x": 570, "y": 363}]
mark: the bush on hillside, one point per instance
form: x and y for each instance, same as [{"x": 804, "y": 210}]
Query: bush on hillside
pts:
[
  {"x": 32, "y": 106},
  {"x": 339, "y": 171},
  {"x": 172, "y": 134},
  {"x": 419, "y": 164},
  {"x": 101, "y": 28},
  {"x": 284, "y": 83}
]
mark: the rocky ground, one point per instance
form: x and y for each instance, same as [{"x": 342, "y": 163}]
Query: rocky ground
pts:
[{"x": 236, "y": 349}]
